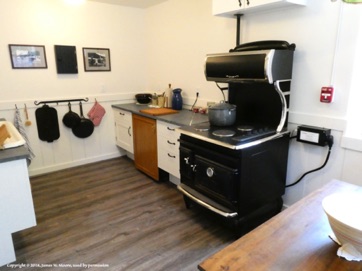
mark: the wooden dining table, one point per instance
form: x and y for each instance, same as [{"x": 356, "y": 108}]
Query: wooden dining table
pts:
[{"x": 295, "y": 239}]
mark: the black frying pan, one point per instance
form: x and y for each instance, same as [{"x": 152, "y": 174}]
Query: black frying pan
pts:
[
  {"x": 71, "y": 119},
  {"x": 85, "y": 127}
]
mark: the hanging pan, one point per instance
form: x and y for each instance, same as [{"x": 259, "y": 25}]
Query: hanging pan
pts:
[
  {"x": 85, "y": 127},
  {"x": 71, "y": 119},
  {"x": 47, "y": 123}
]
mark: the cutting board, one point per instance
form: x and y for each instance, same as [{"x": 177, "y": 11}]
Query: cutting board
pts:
[{"x": 158, "y": 111}]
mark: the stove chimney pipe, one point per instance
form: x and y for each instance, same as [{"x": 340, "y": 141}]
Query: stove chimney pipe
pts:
[{"x": 238, "y": 28}]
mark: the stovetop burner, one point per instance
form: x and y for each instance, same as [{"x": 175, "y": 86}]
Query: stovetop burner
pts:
[
  {"x": 245, "y": 128},
  {"x": 235, "y": 137},
  {"x": 202, "y": 127},
  {"x": 223, "y": 133}
]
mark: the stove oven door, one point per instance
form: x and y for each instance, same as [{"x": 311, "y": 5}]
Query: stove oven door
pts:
[
  {"x": 187, "y": 165},
  {"x": 217, "y": 181}
]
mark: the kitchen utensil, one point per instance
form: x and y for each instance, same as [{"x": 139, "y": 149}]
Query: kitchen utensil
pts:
[
  {"x": 27, "y": 121},
  {"x": 143, "y": 98},
  {"x": 154, "y": 99},
  {"x": 161, "y": 101},
  {"x": 85, "y": 127},
  {"x": 47, "y": 123},
  {"x": 159, "y": 111},
  {"x": 222, "y": 114},
  {"x": 177, "y": 99},
  {"x": 96, "y": 113},
  {"x": 169, "y": 95},
  {"x": 71, "y": 119}
]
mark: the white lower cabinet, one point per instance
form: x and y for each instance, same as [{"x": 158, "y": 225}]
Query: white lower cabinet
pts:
[
  {"x": 124, "y": 129},
  {"x": 16, "y": 209},
  {"x": 168, "y": 149},
  {"x": 167, "y": 142}
]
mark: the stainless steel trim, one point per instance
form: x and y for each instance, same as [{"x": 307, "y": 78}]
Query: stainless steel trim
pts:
[
  {"x": 234, "y": 147},
  {"x": 268, "y": 66},
  {"x": 284, "y": 104},
  {"x": 206, "y": 205},
  {"x": 231, "y": 78}
]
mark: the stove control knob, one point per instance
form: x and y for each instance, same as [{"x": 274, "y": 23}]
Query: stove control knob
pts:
[
  {"x": 210, "y": 172},
  {"x": 187, "y": 160}
]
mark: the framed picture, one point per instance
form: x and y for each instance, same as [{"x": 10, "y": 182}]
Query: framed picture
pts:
[
  {"x": 96, "y": 59},
  {"x": 66, "y": 59},
  {"x": 28, "y": 56}
]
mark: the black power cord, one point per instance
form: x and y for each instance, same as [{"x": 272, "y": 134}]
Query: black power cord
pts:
[
  {"x": 197, "y": 96},
  {"x": 222, "y": 90},
  {"x": 330, "y": 144}
]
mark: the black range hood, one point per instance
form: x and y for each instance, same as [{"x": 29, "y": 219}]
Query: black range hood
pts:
[{"x": 262, "y": 61}]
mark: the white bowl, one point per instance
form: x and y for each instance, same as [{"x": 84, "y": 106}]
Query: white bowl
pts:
[{"x": 344, "y": 212}]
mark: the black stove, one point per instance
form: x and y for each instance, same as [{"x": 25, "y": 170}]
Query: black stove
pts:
[
  {"x": 236, "y": 137},
  {"x": 239, "y": 172}
]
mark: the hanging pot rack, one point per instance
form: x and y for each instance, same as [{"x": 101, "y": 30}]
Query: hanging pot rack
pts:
[{"x": 61, "y": 101}]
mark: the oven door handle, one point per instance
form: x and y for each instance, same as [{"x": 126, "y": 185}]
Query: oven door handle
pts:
[{"x": 206, "y": 205}]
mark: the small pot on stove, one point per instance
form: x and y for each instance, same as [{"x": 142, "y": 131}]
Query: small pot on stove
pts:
[{"x": 222, "y": 114}]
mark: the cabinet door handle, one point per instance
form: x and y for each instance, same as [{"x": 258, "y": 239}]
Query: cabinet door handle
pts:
[
  {"x": 171, "y": 143},
  {"x": 172, "y": 156},
  {"x": 122, "y": 114},
  {"x": 170, "y": 129},
  {"x": 129, "y": 131}
]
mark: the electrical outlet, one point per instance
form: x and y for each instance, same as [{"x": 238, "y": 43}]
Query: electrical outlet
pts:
[
  {"x": 210, "y": 104},
  {"x": 313, "y": 135}
]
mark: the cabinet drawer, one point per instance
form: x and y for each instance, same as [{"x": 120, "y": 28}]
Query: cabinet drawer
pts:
[
  {"x": 122, "y": 117},
  {"x": 168, "y": 144},
  {"x": 169, "y": 161},
  {"x": 168, "y": 147},
  {"x": 167, "y": 129}
]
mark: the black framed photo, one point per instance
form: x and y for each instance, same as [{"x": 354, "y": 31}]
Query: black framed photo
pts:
[
  {"x": 28, "y": 56},
  {"x": 96, "y": 59}
]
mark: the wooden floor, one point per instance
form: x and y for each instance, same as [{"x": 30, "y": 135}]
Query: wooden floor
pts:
[{"x": 110, "y": 214}]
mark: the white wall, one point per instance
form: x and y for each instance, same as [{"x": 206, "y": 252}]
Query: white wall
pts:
[
  {"x": 179, "y": 35},
  {"x": 165, "y": 44},
  {"x": 49, "y": 23}
]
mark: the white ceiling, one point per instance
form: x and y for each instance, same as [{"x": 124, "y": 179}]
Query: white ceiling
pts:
[{"x": 132, "y": 3}]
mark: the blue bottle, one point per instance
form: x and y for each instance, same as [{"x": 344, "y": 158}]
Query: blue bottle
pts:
[{"x": 177, "y": 99}]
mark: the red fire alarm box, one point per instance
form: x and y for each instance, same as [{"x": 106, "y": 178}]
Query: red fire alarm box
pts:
[{"x": 326, "y": 95}]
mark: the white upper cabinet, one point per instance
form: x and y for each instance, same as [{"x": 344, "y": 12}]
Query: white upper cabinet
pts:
[
  {"x": 229, "y": 8},
  {"x": 220, "y": 7}
]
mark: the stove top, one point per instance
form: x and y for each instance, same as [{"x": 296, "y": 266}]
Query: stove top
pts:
[{"x": 234, "y": 137}]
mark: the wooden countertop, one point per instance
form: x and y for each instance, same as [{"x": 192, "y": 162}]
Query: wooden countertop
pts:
[{"x": 295, "y": 239}]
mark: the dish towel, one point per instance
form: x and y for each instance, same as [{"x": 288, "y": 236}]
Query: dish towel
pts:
[
  {"x": 347, "y": 251},
  {"x": 18, "y": 123},
  {"x": 96, "y": 113}
]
